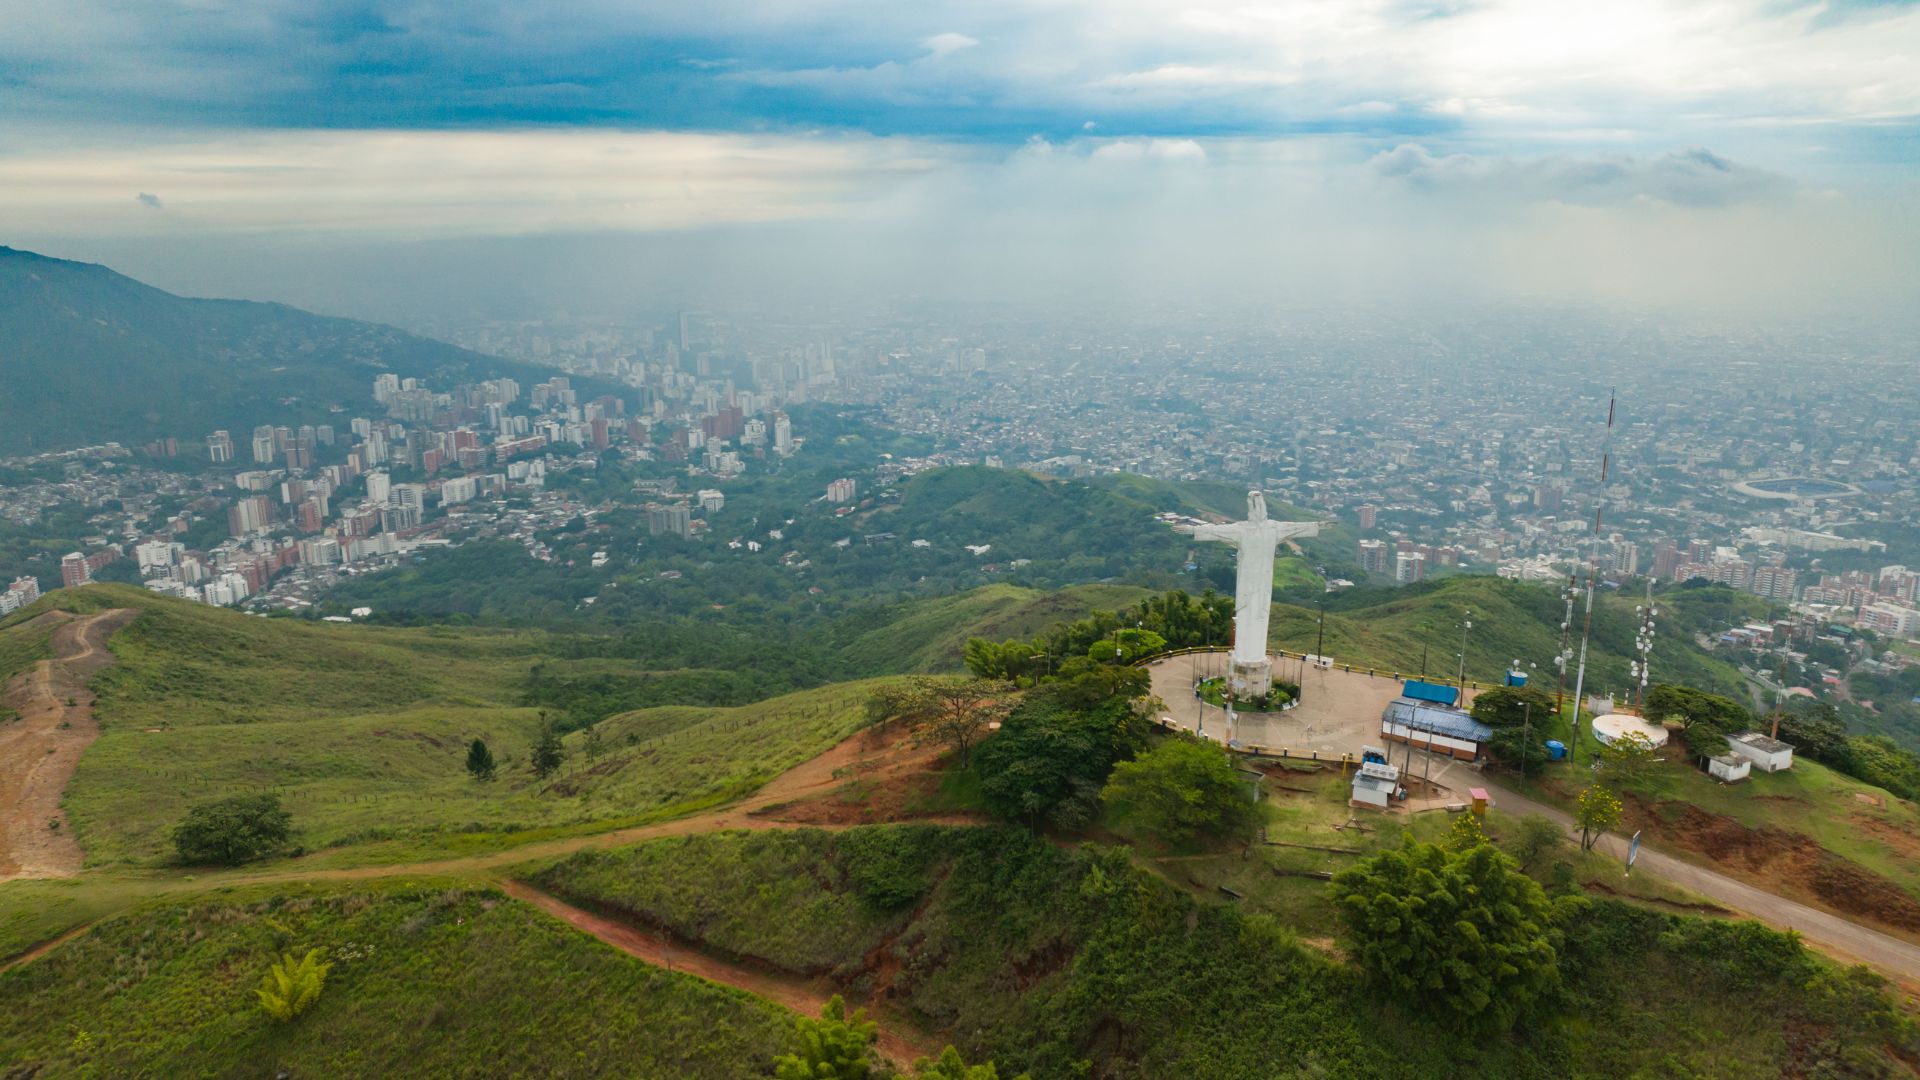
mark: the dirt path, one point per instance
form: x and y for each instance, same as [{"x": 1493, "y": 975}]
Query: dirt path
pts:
[
  {"x": 896, "y": 1043},
  {"x": 39, "y": 752},
  {"x": 1839, "y": 937},
  {"x": 760, "y": 810}
]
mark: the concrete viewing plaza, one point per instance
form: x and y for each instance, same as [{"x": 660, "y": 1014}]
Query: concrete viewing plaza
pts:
[{"x": 1339, "y": 711}]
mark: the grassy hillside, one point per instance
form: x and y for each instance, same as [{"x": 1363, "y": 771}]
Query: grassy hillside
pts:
[
  {"x": 182, "y": 664},
  {"x": 110, "y": 358},
  {"x": 363, "y": 732},
  {"x": 426, "y": 982},
  {"x": 393, "y": 785},
  {"x": 1810, "y": 833},
  {"x": 22, "y": 645},
  {"x": 1076, "y": 963},
  {"x": 929, "y": 635},
  {"x": 1511, "y": 620}
]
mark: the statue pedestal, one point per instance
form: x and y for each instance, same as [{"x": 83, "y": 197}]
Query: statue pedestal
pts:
[{"x": 1250, "y": 679}]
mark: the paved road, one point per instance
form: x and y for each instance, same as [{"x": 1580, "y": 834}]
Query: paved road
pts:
[{"x": 1833, "y": 934}]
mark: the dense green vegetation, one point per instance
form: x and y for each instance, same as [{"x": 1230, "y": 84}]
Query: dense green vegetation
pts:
[
  {"x": 1455, "y": 925},
  {"x": 1050, "y": 759},
  {"x": 1037, "y": 533},
  {"x": 425, "y": 981},
  {"x": 1071, "y": 963},
  {"x": 110, "y": 358}
]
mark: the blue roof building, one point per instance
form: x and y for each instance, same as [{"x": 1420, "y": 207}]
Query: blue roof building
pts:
[
  {"x": 1434, "y": 727},
  {"x": 1437, "y": 693}
]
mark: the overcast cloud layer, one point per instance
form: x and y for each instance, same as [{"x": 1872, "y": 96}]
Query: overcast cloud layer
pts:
[{"x": 1737, "y": 152}]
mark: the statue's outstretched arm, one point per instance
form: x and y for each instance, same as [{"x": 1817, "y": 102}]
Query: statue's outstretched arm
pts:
[{"x": 1227, "y": 533}]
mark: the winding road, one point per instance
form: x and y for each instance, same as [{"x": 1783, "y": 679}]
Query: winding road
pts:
[{"x": 1840, "y": 937}]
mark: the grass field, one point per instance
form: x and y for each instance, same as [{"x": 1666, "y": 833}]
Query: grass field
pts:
[
  {"x": 790, "y": 901},
  {"x": 1077, "y": 962},
  {"x": 427, "y": 981},
  {"x": 1511, "y": 620},
  {"x": 929, "y": 635},
  {"x": 181, "y": 664},
  {"x": 393, "y": 785},
  {"x": 21, "y": 647}
]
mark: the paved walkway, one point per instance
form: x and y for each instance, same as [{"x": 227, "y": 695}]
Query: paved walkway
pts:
[{"x": 1848, "y": 940}]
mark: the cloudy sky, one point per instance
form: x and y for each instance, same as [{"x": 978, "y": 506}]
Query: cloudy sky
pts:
[{"x": 1639, "y": 151}]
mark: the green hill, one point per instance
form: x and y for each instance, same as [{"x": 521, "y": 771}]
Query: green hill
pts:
[
  {"x": 929, "y": 635},
  {"x": 109, "y": 358},
  {"x": 1391, "y": 628},
  {"x": 427, "y": 981},
  {"x": 1082, "y": 962},
  {"x": 363, "y": 731}
]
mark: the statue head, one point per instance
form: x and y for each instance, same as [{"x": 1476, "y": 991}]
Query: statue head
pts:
[{"x": 1256, "y": 506}]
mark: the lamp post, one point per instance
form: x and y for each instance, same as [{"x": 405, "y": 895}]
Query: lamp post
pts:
[{"x": 1466, "y": 624}]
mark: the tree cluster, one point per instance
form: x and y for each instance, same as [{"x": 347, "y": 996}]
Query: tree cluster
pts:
[
  {"x": 1182, "y": 792},
  {"x": 1453, "y": 929},
  {"x": 1519, "y": 717},
  {"x": 1172, "y": 620},
  {"x": 957, "y": 711},
  {"x": 1051, "y": 757},
  {"x": 1705, "y": 720}
]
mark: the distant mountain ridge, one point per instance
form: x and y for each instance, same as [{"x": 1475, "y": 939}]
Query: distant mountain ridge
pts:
[{"x": 89, "y": 355}]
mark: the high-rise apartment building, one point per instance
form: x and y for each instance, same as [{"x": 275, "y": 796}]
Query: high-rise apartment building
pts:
[
  {"x": 1373, "y": 556},
  {"x": 248, "y": 515}
]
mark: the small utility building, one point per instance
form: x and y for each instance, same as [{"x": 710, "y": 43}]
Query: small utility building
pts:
[
  {"x": 1375, "y": 785},
  {"x": 1767, "y": 754},
  {"x": 1432, "y": 727},
  {"x": 1728, "y": 767}
]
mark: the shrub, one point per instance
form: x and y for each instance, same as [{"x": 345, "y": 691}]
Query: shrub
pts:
[
  {"x": 1596, "y": 811},
  {"x": 233, "y": 830},
  {"x": 834, "y": 1047},
  {"x": 291, "y": 986},
  {"x": 890, "y": 868}
]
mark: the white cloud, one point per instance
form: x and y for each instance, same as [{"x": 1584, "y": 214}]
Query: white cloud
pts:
[
  {"x": 945, "y": 44},
  {"x": 435, "y": 183},
  {"x": 1694, "y": 177}
]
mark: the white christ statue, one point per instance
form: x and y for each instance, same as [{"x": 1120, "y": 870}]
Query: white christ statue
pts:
[{"x": 1255, "y": 539}]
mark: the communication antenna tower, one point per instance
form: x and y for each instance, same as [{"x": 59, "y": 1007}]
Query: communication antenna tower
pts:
[
  {"x": 1642, "y": 667},
  {"x": 1593, "y": 567}
]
